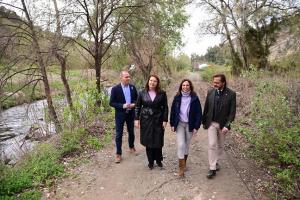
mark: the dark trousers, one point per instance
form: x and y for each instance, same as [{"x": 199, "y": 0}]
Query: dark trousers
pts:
[
  {"x": 121, "y": 118},
  {"x": 154, "y": 154}
]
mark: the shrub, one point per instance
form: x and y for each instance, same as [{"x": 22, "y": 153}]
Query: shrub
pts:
[
  {"x": 94, "y": 142},
  {"x": 71, "y": 141},
  {"x": 208, "y": 72},
  {"x": 40, "y": 166},
  {"x": 275, "y": 135}
]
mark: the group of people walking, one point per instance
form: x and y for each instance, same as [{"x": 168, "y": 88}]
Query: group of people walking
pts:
[{"x": 148, "y": 111}]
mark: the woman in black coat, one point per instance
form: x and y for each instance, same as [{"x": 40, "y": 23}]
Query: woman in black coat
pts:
[{"x": 151, "y": 116}]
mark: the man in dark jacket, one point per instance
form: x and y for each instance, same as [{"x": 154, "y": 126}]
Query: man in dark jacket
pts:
[
  {"x": 123, "y": 97},
  {"x": 219, "y": 113}
]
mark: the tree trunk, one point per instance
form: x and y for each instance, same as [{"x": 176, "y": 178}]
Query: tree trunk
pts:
[
  {"x": 63, "y": 68},
  {"x": 236, "y": 61},
  {"x": 40, "y": 62},
  {"x": 244, "y": 54},
  {"x": 62, "y": 59}
]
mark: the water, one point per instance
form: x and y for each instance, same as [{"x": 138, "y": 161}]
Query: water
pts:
[{"x": 16, "y": 122}]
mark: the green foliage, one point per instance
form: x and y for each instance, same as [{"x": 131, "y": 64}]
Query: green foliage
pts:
[
  {"x": 288, "y": 63},
  {"x": 71, "y": 141},
  {"x": 38, "y": 168},
  {"x": 120, "y": 58},
  {"x": 85, "y": 100},
  {"x": 181, "y": 62},
  {"x": 43, "y": 165},
  {"x": 30, "y": 195},
  {"x": 214, "y": 55},
  {"x": 208, "y": 72},
  {"x": 259, "y": 40},
  {"x": 276, "y": 136},
  {"x": 94, "y": 142}
]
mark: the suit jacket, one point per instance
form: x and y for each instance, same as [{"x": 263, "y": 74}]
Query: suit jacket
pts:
[
  {"x": 227, "y": 109},
  {"x": 117, "y": 98}
]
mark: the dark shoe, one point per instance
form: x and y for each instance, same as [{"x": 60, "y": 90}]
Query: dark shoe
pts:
[
  {"x": 211, "y": 174},
  {"x": 218, "y": 167},
  {"x": 159, "y": 164},
  {"x": 133, "y": 151},
  {"x": 151, "y": 166}
]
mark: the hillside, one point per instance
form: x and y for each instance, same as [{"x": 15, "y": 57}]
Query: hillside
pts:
[{"x": 286, "y": 50}]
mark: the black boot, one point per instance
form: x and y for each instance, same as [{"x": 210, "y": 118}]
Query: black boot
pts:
[
  {"x": 151, "y": 166},
  {"x": 211, "y": 174},
  {"x": 218, "y": 167},
  {"x": 159, "y": 163}
]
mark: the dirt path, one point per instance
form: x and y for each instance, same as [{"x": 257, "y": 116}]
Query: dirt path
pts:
[{"x": 131, "y": 179}]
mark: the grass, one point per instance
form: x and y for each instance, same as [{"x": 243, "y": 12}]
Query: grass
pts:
[
  {"x": 75, "y": 79},
  {"x": 38, "y": 168}
]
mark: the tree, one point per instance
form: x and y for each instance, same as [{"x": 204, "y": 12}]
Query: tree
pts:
[
  {"x": 59, "y": 42},
  {"x": 214, "y": 55},
  {"x": 101, "y": 20},
  {"x": 220, "y": 25},
  {"x": 27, "y": 34},
  {"x": 239, "y": 19},
  {"x": 153, "y": 32}
]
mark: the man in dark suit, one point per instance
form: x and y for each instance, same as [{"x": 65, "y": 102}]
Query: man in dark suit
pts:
[
  {"x": 123, "y": 98},
  {"x": 219, "y": 113}
]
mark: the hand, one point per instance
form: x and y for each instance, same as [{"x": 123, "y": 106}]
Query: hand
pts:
[
  {"x": 224, "y": 130},
  {"x": 164, "y": 124},
  {"x": 195, "y": 131},
  {"x": 126, "y": 105},
  {"x": 173, "y": 129},
  {"x": 137, "y": 123},
  {"x": 132, "y": 105}
]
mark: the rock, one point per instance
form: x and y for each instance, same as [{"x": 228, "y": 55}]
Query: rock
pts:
[
  {"x": 36, "y": 133},
  {"x": 6, "y": 136}
]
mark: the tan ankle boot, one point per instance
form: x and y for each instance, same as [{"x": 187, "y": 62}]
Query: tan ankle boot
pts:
[
  {"x": 185, "y": 159},
  {"x": 181, "y": 167}
]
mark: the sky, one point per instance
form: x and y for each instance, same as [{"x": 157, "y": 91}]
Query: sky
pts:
[{"x": 195, "y": 43}]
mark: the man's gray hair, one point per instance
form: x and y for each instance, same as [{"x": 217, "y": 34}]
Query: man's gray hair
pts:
[{"x": 123, "y": 72}]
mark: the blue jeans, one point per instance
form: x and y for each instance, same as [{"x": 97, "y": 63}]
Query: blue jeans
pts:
[{"x": 121, "y": 118}]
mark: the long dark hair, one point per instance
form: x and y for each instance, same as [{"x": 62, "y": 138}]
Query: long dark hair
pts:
[
  {"x": 222, "y": 77},
  {"x": 157, "y": 89},
  {"x": 180, "y": 86}
]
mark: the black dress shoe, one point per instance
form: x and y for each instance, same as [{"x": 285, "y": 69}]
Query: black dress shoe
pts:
[
  {"x": 159, "y": 164},
  {"x": 218, "y": 167},
  {"x": 211, "y": 174},
  {"x": 151, "y": 166}
]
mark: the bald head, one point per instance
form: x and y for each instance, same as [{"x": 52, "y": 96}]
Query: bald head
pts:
[{"x": 125, "y": 77}]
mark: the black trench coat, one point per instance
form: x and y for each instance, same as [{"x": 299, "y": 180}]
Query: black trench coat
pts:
[{"x": 152, "y": 114}]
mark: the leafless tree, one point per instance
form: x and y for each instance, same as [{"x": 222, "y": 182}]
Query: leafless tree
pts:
[
  {"x": 28, "y": 33},
  {"x": 100, "y": 21}
]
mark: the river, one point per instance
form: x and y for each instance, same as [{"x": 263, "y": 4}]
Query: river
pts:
[{"x": 15, "y": 123}]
